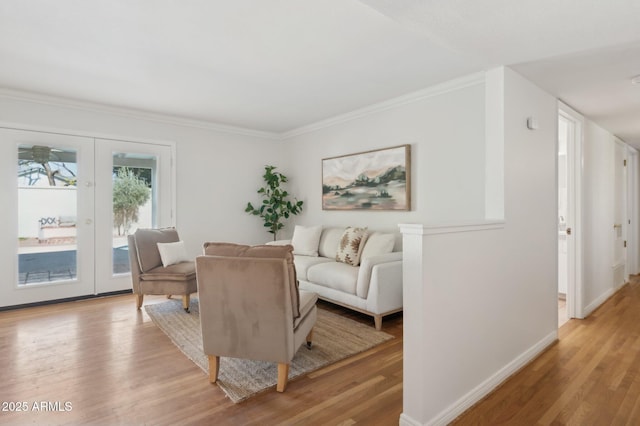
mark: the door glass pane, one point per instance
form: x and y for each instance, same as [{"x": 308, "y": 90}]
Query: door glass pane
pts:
[
  {"x": 134, "y": 201},
  {"x": 47, "y": 214}
]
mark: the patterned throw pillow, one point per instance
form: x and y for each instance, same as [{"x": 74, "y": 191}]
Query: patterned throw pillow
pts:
[{"x": 351, "y": 245}]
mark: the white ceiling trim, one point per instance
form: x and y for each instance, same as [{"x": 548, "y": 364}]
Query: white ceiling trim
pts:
[
  {"x": 456, "y": 84},
  {"x": 451, "y": 85},
  {"x": 130, "y": 113}
]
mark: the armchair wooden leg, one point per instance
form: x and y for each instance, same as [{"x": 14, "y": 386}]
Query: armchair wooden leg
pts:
[
  {"x": 185, "y": 302},
  {"x": 169, "y": 296},
  {"x": 139, "y": 299},
  {"x": 214, "y": 368},
  {"x": 309, "y": 338},
  {"x": 283, "y": 376},
  {"x": 377, "y": 319}
]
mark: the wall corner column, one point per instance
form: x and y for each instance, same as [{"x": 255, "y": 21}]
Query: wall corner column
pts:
[{"x": 414, "y": 351}]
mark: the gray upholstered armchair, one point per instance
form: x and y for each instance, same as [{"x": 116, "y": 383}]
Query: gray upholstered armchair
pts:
[
  {"x": 149, "y": 276},
  {"x": 250, "y": 306}
]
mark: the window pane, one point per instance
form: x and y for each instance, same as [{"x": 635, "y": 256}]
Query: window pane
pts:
[
  {"x": 47, "y": 214},
  {"x": 134, "y": 177}
]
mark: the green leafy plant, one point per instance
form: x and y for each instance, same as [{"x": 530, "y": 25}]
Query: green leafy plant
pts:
[
  {"x": 129, "y": 193},
  {"x": 276, "y": 205}
]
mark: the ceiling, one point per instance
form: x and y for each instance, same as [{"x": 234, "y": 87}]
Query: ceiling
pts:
[{"x": 279, "y": 65}]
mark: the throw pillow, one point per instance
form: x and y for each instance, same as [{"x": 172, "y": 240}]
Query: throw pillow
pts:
[
  {"x": 306, "y": 239},
  {"x": 377, "y": 244},
  {"x": 351, "y": 245},
  {"x": 172, "y": 253}
]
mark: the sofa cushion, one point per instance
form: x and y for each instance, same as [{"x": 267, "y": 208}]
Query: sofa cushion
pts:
[
  {"x": 378, "y": 243},
  {"x": 336, "y": 275},
  {"x": 351, "y": 245},
  {"x": 264, "y": 251},
  {"x": 305, "y": 240},
  {"x": 308, "y": 300},
  {"x": 147, "y": 246},
  {"x": 183, "y": 271},
  {"x": 329, "y": 241},
  {"x": 303, "y": 263}
]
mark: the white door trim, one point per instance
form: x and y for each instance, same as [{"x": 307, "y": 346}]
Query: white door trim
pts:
[
  {"x": 575, "y": 286},
  {"x": 633, "y": 210}
]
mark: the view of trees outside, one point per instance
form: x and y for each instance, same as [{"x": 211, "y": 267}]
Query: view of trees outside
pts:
[
  {"x": 47, "y": 201},
  {"x": 131, "y": 190}
]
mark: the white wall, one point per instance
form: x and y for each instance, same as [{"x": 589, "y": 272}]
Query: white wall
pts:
[
  {"x": 487, "y": 299},
  {"x": 36, "y": 203},
  {"x": 218, "y": 172},
  {"x": 598, "y": 215},
  {"x": 446, "y": 134}
]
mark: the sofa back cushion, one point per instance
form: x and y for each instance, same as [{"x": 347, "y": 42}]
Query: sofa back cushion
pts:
[
  {"x": 264, "y": 251},
  {"x": 378, "y": 243},
  {"x": 329, "y": 242},
  {"x": 305, "y": 240},
  {"x": 147, "y": 246}
]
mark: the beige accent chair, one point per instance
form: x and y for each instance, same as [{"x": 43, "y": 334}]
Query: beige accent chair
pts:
[
  {"x": 148, "y": 276},
  {"x": 250, "y": 306}
]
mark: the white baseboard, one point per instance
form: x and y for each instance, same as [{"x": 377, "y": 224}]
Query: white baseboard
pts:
[
  {"x": 408, "y": 421},
  {"x": 460, "y": 406},
  {"x": 599, "y": 301}
]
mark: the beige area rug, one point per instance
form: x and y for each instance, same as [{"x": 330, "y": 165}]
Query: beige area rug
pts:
[{"x": 334, "y": 338}]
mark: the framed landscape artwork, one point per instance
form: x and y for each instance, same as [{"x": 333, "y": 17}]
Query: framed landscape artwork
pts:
[{"x": 372, "y": 180}]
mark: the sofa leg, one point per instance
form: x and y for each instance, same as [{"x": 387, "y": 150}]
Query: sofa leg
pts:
[
  {"x": 309, "y": 339},
  {"x": 214, "y": 368},
  {"x": 283, "y": 376},
  {"x": 185, "y": 302},
  {"x": 377, "y": 320},
  {"x": 139, "y": 299},
  {"x": 169, "y": 296}
]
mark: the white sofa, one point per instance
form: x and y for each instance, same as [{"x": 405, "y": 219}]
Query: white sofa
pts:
[{"x": 374, "y": 287}]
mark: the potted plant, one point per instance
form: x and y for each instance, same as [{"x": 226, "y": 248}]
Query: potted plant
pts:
[{"x": 276, "y": 205}]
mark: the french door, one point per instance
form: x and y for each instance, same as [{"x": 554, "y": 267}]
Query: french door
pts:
[
  {"x": 121, "y": 167},
  {"x": 64, "y": 226}
]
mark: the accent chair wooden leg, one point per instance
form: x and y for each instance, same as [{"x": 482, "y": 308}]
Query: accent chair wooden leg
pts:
[
  {"x": 377, "y": 319},
  {"x": 283, "y": 376},
  {"x": 139, "y": 299},
  {"x": 169, "y": 296},
  {"x": 214, "y": 368},
  {"x": 185, "y": 302},
  {"x": 309, "y": 338}
]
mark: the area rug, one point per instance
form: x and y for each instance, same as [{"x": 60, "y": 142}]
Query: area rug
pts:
[{"x": 334, "y": 338}]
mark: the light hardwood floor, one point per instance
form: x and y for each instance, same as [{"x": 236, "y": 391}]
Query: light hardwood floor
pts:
[
  {"x": 591, "y": 376},
  {"x": 114, "y": 366}
]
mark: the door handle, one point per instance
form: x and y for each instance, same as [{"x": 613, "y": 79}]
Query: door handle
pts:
[{"x": 568, "y": 231}]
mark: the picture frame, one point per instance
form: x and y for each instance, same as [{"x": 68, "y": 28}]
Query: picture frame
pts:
[{"x": 375, "y": 180}]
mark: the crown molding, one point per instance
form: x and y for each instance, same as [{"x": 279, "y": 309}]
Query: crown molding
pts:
[
  {"x": 132, "y": 113},
  {"x": 451, "y": 85}
]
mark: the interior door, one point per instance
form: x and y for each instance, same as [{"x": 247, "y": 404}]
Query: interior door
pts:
[
  {"x": 50, "y": 176},
  {"x": 620, "y": 215},
  {"x": 134, "y": 189}
]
